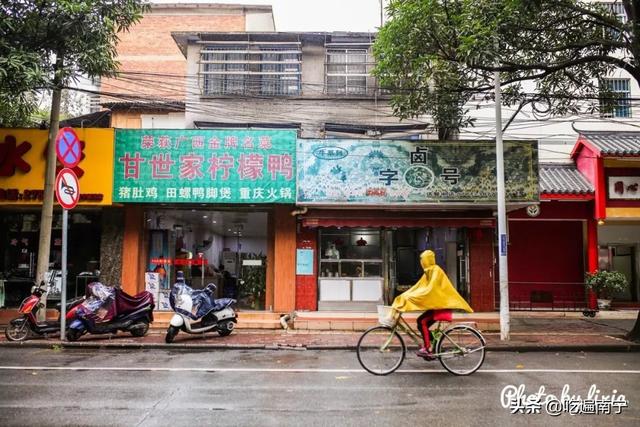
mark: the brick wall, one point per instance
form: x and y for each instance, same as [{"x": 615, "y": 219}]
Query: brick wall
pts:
[{"x": 148, "y": 47}]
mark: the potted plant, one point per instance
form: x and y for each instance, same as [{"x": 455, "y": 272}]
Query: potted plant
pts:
[{"x": 605, "y": 284}]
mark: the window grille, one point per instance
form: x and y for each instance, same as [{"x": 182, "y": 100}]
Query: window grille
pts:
[
  {"x": 251, "y": 69},
  {"x": 620, "y": 105},
  {"x": 348, "y": 71}
]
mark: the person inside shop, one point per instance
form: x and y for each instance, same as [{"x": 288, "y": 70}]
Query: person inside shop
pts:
[
  {"x": 435, "y": 295},
  {"x": 229, "y": 284}
]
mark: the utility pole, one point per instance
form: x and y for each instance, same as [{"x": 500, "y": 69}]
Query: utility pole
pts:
[
  {"x": 502, "y": 217},
  {"x": 44, "y": 242}
]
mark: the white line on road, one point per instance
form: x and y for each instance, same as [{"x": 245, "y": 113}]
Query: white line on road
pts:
[{"x": 302, "y": 370}]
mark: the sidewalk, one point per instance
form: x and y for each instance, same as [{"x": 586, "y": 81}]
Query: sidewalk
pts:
[{"x": 527, "y": 334}]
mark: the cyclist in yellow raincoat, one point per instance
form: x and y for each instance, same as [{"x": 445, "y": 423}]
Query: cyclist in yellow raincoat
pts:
[{"x": 435, "y": 294}]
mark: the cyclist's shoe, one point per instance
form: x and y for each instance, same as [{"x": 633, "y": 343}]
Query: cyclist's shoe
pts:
[{"x": 426, "y": 354}]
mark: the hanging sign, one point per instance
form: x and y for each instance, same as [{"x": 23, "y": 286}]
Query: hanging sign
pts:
[{"x": 67, "y": 189}]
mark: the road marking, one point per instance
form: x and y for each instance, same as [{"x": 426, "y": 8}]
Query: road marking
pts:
[{"x": 303, "y": 370}]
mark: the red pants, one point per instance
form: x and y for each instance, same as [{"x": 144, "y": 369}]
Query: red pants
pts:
[{"x": 428, "y": 318}]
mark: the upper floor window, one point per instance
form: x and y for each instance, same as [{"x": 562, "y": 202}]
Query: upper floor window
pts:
[
  {"x": 347, "y": 71},
  {"x": 618, "y": 103},
  {"x": 250, "y": 69}
]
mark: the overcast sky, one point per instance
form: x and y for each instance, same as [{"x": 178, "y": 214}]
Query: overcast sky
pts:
[{"x": 314, "y": 15}]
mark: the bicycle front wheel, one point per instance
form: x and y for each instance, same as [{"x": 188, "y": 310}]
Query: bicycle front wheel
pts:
[
  {"x": 461, "y": 350},
  {"x": 381, "y": 350}
]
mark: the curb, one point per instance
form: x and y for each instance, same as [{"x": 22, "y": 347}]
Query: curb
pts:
[{"x": 618, "y": 348}]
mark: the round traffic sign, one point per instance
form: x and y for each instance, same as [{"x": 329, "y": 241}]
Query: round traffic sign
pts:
[
  {"x": 68, "y": 148},
  {"x": 67, "y": 188}
]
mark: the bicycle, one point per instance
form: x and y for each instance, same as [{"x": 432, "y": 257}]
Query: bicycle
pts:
[{"x": 460, "y": 348}]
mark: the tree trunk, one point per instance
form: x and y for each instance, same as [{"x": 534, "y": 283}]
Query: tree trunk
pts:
[
  {"x": 44, "y": 243},
  {"x": 634, "y": 334}
]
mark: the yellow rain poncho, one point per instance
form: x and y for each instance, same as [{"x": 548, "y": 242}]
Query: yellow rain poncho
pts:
[{"x": 433, "y": 291}]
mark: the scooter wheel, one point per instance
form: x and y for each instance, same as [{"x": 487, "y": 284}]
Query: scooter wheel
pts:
[
  {"x": 225, "y": 329},
  {"x": 18, "y": 332},
  {"x": 73, "y": 335},
  {"x": 140, "y": 329},
  {"x": 171, "y": 334}
]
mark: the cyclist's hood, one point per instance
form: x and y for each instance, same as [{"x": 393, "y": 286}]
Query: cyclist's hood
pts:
[
  {"x": 434, "y": 290},
  {"x": 427, "y": 259}
]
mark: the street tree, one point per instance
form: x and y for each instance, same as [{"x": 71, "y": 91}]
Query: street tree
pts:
[
  {"x": 554, "y": 52},
  {"x": 46, "y": 45}
]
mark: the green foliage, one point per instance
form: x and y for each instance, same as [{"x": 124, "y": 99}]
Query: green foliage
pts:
[
  {"x": 47, "y": 41},
  {"x": 252, "y": 290},
  {"x": 606, "y": 283},
  {"x": 432, "y": 51}
]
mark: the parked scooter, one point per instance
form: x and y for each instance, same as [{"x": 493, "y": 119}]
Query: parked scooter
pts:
[
  {"x": 108, "y": 310},
  {"x": 197, "y": 311},
  {"x": 20, "y": 328}
]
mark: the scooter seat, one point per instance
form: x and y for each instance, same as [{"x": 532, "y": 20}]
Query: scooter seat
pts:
[{"x": 126, "y": 303}]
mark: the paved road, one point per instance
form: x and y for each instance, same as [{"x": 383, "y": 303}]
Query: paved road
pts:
[{"x": 292, "y": 388}]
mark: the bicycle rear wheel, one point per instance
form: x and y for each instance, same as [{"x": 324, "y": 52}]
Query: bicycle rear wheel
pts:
[
  {"x": 381, "y": 350},
  {"x": 461, "y": 350}
]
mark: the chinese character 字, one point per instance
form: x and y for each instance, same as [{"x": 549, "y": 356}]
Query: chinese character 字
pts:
[
  {"x": 147, "y": 142},
  {"x": 264, "y": 142},
  {"x": 250, "y": 166},
  {"x": 164, "y": 142},
  {"x": 211, "y": 193},
  {"x": 197, "y": 142},
  {"x": 191, "y": 166},
  {"x": 11, "y": 156},
  {"x": 280, "y": 163},
  {"x": 132, "y": 165},
  {"x": 388, "y": 175},
  {"x": 124, "y": 193},
  {"x": 214, "y": 143},
  {"x": 198, "y": 193},
  {"x": 161, "y": 166},
  {"x": 419, "y": 156},
  {"x": 151, "y": 192},
  {"x": 258, "y": 193},
  {"x": 225, "y": 193},
  {"x": 245, "y": 193},
  {"x": 224, "y": 162},
  {"x": 450, "y": 175}
]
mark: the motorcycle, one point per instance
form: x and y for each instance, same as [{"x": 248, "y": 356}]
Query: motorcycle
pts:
[
  {"x": 20, "y": 328},
  {"x": 108, "y": 310},
  {"x": 197, "y": 311}
]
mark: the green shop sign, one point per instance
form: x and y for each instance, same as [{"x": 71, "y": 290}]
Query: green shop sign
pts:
[
  {"x": 369, "y": 172},
  {"x": 204, "y": 166}
]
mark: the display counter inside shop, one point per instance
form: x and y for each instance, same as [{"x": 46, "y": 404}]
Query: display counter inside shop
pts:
[{"x": 351, "y": 280}]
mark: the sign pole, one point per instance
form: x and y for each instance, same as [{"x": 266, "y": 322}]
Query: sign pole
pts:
[
  {"x": 502, "y": 218},
  {"x": 63, "y": 293}
]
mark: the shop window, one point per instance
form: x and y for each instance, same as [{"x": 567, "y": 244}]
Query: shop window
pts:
[
  {"x": 227, "y": 248},
  {"x": 350, "y": 253}
]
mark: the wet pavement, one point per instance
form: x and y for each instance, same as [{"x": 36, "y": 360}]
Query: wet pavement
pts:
[{"x": 527, "y": 334}]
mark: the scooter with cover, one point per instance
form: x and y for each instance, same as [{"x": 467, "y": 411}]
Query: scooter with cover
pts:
[
  {"x": 107, "y": 310},
  {"x": 197, "y": 311}
]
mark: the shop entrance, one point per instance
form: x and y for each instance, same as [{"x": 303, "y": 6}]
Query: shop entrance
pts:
[
  {"x": 449, "y": 245},
  {"x": 363, "y": 267},
  {"x": 224, "y": 247}
]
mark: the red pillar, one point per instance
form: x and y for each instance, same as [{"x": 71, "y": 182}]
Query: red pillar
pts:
[
  {"x": 307, "y": 285},
  {"x": 592, "y": 255}
]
